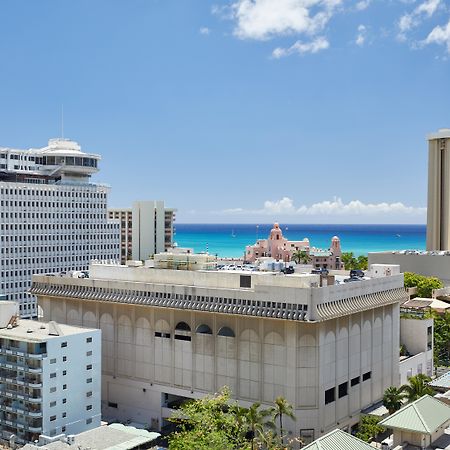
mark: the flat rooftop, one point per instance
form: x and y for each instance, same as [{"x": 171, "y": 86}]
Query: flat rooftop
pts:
[{"x": 33, "y": 331}]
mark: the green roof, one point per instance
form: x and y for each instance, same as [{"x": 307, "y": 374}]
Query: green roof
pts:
[
  {"x": 338, "y": 440},
  {"x": 425, "y": 415}
]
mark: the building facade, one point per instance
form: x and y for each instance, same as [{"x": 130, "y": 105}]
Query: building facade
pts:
[
  {"x": 438, "y": 211},
  {"x": 171, "y": 335},
  {"x": 279, "y": 248},
  {"x": 52, "y": 218},
  {"x": 50, "y": 378},
  {"x": 145, "y": 229}
]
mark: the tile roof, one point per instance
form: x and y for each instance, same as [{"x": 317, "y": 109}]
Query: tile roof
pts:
[
  {"x": 338, "y": 440},
  {"x": 442, "y": 382},
  {"x": 425, "y": 415}
]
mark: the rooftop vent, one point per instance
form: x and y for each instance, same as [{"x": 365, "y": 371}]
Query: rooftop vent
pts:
[
  {"x": 9, "y": 326},
  {"x": 42, "y": 327},
  {"x": 29, "y": 330},
  {"x": 53, "y": 329}
]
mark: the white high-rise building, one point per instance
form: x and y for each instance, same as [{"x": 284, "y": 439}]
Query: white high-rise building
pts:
[
  {"x": 50, "y": 378},
  {"x": 52, "y": 218}
]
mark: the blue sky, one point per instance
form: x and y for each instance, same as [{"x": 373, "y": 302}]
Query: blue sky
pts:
[{"x": 237, "y": 111}]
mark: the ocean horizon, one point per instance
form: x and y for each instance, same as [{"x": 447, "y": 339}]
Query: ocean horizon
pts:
[{"x": 230, "y": 240}]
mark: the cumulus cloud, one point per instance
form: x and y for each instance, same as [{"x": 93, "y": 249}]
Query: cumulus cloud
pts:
[
  {"x": 361, "y": 36},
  {"x": 363, "y": 4},
  {"x": 411, "y": 20},
  {"x": 439, "y": 35},
  {"x": 335, "y": 207},
  {"x": 204, "y": 30},
  {"x": 318, "y": 44}
]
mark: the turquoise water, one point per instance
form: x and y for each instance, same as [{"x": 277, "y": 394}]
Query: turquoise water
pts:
[{"x": 230, "y": 240}]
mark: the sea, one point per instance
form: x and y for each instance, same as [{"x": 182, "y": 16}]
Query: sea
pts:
[{"x": 229, "y": 240}]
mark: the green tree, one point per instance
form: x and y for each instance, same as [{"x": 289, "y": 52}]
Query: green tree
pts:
[
  {"x": 369, "y": 428},
  {"x": 257, "y": 422},
  {"x": 393, "y": 399},
  {"x": 281, "y": 408},
  {"x": 426, "y": 285},
  {"x": 349, "y": 260},
  {"x": 362, "y": 262},
  {"x": 301, "y": 257},
  {"x": 417, "y": 387},
  {"x": 441, "y": 338},
  {"x": 411, "y": 279}
]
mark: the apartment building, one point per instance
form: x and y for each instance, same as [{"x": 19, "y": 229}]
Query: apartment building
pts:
[
  {"x": 50, "y": 378},
  {"x": 145, "y": 229},
  {"x": 170, "y": 335},
  {"x": 52, "y": 218}
]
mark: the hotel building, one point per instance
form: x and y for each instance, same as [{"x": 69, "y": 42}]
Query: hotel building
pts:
[
  {"x": 438, "y": 211},
  {"x": 50, "y": 378},
  {"x": 170, "y": 335},
  {"x": 145, "y": 229},
  {"x": 52, "y": 218}
]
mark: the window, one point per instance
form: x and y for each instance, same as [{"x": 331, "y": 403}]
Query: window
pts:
[
  {"x": 89, "y": 380},
  {"x": 89, "y": 367},
  {"x": 88, "y": 421},
  {"x": 64, "y": 386},
  {"x": 343, "y": 390},
  {"x": 89, "y": 394},
  {"x": 89, "y": 340},
  {"x": 88, "y": 407},
  {"x": 245, "y": 281},
  {"x": 162, "y": 335},
  {"x": 63, "y": 344},
  {"x": 64, "y": 400},
  {"x": 52, "y": 418},
  {"x": 53, "y": 375},
  {"x": 354, "y": 381},
  {"x": 329, "y": 396},
  {"x": 429, "y": 338},
  {"x": 64, "y": 414},
  {"x": 89, "y": 353},
  {"x": 53, "y": 361},
  {"x": 64, "y": 358},
  {"x": 52, "y": 389},
  {"x": 307, "y": 435},
  {"x": 367, "y": 376},
  {"x": 63, "y": 429},
  {"x": 52, "y": 404},
  {"x": 64, "y": 372},
  {"x": 112, "y": 405}
]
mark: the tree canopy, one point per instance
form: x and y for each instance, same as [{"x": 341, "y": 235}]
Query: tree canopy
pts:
[
  {"x": 351, "y": 262},
  {"x": 425, "y": 285}
]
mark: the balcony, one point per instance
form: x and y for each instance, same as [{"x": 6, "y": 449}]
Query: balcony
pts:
[
  {"x": 18, "y": 408},
  {"x": 20, "y": 365},
  {"x": 7, "y": 351},
  {"x": 13, "y": 394}
]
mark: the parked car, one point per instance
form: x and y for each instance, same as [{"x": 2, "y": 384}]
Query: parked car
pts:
[
  {"x": 320, "y": 271},
  {"x": 356, "y": 273},
  {"x": 351, "y": 279}
]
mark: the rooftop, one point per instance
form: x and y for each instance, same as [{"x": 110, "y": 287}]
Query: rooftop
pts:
[
  {"x": 425, "y": 416},
  {"x": 33, "y": 331},
  {"x": 338, "y": 440},
  {"x": 442, "y": 382}
]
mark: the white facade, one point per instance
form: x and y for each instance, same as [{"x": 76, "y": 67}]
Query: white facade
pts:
[
  {"x": 50, "y": 377},
  {"x": 52, "y": 219},
  {"x": 145, "y": 229},
  {"x": 170, "y": 335}
]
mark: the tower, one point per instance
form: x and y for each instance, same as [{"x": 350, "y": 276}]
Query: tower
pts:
[{"x": 438, "y": 213}]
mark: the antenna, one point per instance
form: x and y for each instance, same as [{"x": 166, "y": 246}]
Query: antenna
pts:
[{"x": 62, "y": 121}]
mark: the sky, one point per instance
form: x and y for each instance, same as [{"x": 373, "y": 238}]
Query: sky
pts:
[{"x": 239, "y": 111}]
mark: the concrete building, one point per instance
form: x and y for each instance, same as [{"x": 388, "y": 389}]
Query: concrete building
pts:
[
  {"x": 416, "y": 337},
  {"x": 281, "y": 249},
  {"x": 52, "y": 218},
  {"x": 438, "y": 211},
  {"x": 50, "y": 377},
  {"x": 170, "y": 335},
  {"x": 145, "y": 229}
]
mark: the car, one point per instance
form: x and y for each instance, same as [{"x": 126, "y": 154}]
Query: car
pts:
[
  {"x": 351, "y": 279},
  {"x": 320, "y": 271},
  {"x": 356, "y": 273}
]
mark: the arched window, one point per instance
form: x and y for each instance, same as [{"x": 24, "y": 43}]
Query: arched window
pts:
[
  {"x": 226, "y": 331},
  {"x": 183, "y": 326},
  {"x": 204, "y": 329}
]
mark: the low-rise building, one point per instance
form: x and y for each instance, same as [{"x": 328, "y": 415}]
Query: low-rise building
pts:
[
  {"x": 279, "y": 248},
  {"x": 50, "y": 377},
  {"x": 172, "y": 335}
]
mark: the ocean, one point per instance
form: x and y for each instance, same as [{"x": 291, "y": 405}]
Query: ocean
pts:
[{"x": 227, "y": 240}]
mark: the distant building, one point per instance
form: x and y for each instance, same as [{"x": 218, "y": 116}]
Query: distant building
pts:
[
  {"x": 52, "y": 219},
  {"x": 438, "y": 211},
  {"x": 145, "y": 229},
  {"x": 281, "y": 249},
  {"x": 50, "y": 377}
]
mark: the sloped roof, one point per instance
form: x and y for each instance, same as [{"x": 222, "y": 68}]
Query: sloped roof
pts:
[
  {"x": 425, "y": 415},
  {"x": 338, "y": 440},
  {"x": 441, "y": 382}
]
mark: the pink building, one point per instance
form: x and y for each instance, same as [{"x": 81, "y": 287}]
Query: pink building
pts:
[{"x": 281, "y": 249}]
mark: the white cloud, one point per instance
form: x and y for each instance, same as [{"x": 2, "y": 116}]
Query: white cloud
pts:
[
  {"x": 204, "y": 30},
  {"x": 411, "y": 20},
  {"x": 265, "y": 19},
  {"x": 361, "y": 36},
  {"x": 335, "y": 207},
  {"x": 439, "y": 35},
  {"x": 318, "y": 44},
  {"x": 363, "y": 4}
]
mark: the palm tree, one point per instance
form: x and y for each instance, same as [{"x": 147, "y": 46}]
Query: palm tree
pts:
[
  {"x": 417, "y": 387},
  {"x": 393, "y": 398},
  {"x": 257, "y": 420},
  {"x": 281, "y": 408},
  {"x": 301, "y": 257}
]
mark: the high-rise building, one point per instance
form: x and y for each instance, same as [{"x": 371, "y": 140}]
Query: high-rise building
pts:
[
  {"x": 50, "y": 378},
  {"x": 145, "y": 229},
  {"x": 171, "y": 335},
  {"x": 52, "y": 218},
  {"x": 438, "y": 213}
]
